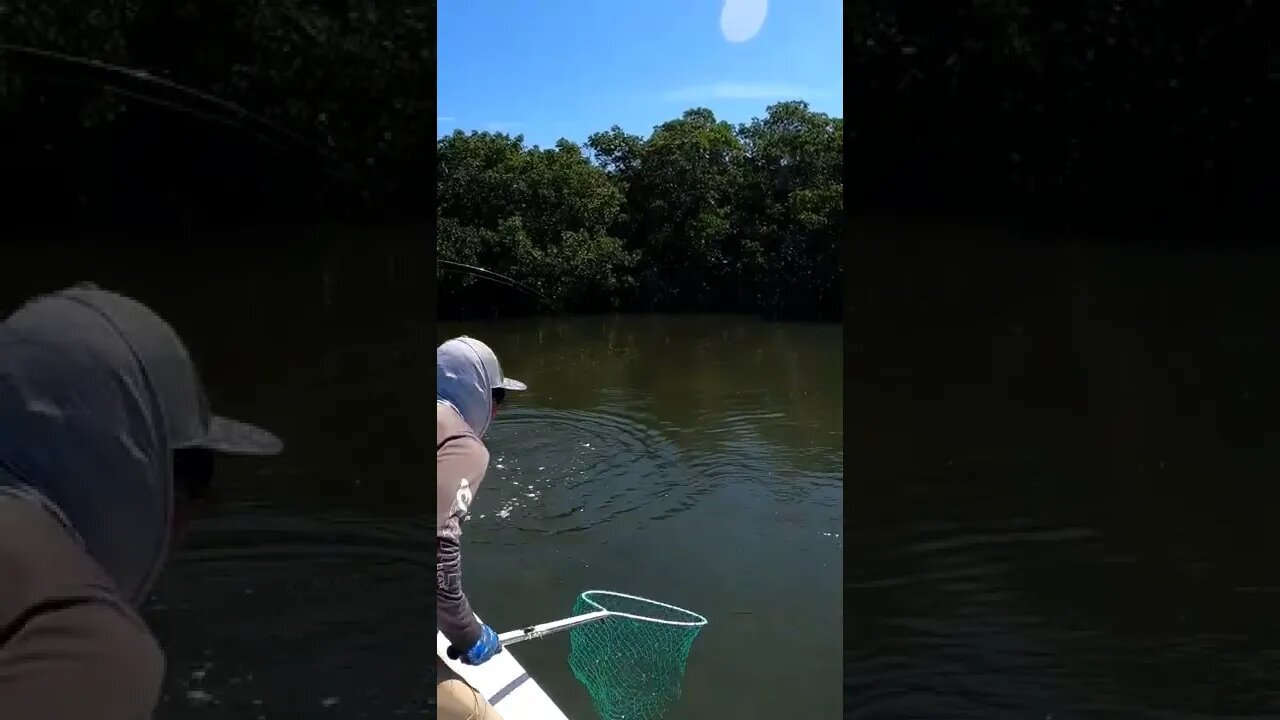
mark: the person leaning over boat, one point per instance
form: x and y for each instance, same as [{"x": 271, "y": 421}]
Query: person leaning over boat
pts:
[
  {"x": 105, "y": 435},
  {"x": 470, "y": 388}
]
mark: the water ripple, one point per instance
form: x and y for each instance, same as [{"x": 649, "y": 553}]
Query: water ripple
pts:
[
  {"x": 283, "y": 589},
  {"x": 561, "y": 471},
  {"x": 242, "y": 538}
]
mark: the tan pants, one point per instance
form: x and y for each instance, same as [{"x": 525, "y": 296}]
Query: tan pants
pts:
[{"x": 456, "y": 700}]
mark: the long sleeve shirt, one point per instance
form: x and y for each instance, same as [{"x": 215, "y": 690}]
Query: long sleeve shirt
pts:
[
  {"x": 461, "y": 461},
  {"x": 70, "y": 647}
]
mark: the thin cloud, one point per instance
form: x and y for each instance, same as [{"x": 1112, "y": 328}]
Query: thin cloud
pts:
[
  {"x": 743, "y": 91},
  {"x": 444, "y": 119},
  {"x": 503, "y": 126}
]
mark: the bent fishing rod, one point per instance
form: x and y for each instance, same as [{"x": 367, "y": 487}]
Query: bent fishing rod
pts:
[
  {"x": 127, "y": 81},
  {"x": 487, "y": 274},
  {"x": 142, "y": 86}
]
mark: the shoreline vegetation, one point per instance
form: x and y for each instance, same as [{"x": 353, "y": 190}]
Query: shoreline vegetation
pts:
[
  {"x": 700, "y": 216},
  {"x": 137, "y": 119}
]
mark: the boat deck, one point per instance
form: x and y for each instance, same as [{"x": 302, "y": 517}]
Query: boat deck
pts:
[{"x": 505, "y": 684}]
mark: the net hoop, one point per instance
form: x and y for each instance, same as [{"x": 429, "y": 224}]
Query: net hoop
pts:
[{"x": 698, "y": 620}]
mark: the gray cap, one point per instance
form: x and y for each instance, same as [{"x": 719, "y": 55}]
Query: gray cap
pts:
[
  {"x": 491, "y": 367},
  {"x": 164, "y": 358}
]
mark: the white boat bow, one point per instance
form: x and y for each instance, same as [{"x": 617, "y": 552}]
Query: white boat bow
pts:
[{"x": 504, "y": 682}]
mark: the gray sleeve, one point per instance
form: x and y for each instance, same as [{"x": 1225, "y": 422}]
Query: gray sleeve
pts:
[
  {"x": 70, "y": 648},
  {"x": 79, "y": 659},
  {"x": 454, "y": 617},
  {"x": 460, "y": 467}
]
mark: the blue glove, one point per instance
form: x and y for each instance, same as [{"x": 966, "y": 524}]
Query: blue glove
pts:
[{"x": 486, "y": 647}]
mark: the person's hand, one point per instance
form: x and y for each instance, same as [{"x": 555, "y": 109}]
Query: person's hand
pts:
[{"x": 484, "y": 649}]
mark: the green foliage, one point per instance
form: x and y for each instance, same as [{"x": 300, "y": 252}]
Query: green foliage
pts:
[
  {"x": 312, "y": 111},
  {"x": 700, "y": 216}
]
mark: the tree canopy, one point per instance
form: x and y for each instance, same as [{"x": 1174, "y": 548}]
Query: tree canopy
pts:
[
  {"x": 121, "y": 113},
  {"x": 699, "y": 216}
]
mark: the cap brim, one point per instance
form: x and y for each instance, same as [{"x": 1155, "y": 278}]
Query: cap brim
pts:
[
  {"x": 233, "y": 437},
  {"x": 511, "y": 384}
]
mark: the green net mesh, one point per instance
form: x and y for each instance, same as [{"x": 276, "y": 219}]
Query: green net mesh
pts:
[{"x": 632, "y": 664}]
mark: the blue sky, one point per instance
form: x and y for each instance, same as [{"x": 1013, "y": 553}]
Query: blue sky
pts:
[{"x": 567, "y": 68}]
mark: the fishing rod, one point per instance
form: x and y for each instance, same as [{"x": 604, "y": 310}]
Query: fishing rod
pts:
[
  {"x": 486, "y": 274},
  {"x": 183, "y": 99}
]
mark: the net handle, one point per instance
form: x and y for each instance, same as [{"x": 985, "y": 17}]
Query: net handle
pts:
[{"x": 533, "y": 632}]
